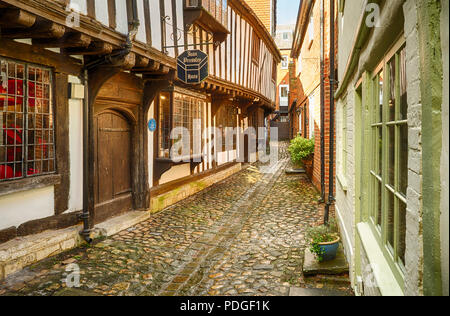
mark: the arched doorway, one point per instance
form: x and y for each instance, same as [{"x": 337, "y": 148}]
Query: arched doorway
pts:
[{"x": 113, "y": 160}]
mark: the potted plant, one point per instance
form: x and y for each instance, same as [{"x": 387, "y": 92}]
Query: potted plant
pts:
[
  {"x": 302, "y": 150},
  {"x": 324, "y": 241}
]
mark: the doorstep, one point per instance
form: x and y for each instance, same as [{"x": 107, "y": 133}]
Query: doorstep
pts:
[
  {"x": 291, "y": 171},
  {"x": 21, "y": 252},
  {"x": 334, "y": 267},
  {"x": 297, "y": 291}
]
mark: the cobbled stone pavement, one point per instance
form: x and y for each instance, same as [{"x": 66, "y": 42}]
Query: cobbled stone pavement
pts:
[{"x": 242, "y": 236}]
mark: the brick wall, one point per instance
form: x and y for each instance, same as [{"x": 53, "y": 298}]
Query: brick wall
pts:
[{"x": 263, "y": 10}]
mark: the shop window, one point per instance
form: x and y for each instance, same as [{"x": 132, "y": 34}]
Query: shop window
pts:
[
  {"x": 178, "y": 110},
  {"x": 26, "y": 121}
]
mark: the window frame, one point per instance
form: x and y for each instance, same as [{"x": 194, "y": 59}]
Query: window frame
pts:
[
  {"x": 391, "y": 252},
  {"x": 285, "y": 63},
  {"x": 256, "y": 48},
  {"x": 49, "y": 175},
  {"x": 171, "y": 115}
]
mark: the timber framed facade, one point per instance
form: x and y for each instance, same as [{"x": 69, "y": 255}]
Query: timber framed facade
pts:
[{"x": 81, "y": 79}]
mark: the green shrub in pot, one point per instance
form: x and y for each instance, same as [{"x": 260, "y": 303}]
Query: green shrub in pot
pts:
[{"x": 301, "y": 149}]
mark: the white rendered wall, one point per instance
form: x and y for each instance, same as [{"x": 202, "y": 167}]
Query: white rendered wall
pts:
[
  {"x": 79, "y": 6},
  {"x": 76, "y": 155},
  {"x": 22, "y": 207},
  {"x": 121, "y": 17},
  {"x": 101, "y": 12}
]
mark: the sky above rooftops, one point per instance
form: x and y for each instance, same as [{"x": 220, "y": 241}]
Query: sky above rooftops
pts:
[{"x": 287, "y": 11}]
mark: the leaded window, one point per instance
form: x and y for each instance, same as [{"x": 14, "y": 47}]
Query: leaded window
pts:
[
  {"x": 26, "y": 121},
  {"x": 178, "y": 110}
]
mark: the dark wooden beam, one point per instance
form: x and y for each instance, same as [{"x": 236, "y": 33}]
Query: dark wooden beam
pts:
[
  {"x": 67, "y": 41},
  {"x": 40, "y": 29},
  {"x": 38, "y": 55},
  {"x": 142, "y": 62},
  {"x": 16, "y": 18},
  {"x": 95, "y": 48},
  {"x": 125, "y": 62}
]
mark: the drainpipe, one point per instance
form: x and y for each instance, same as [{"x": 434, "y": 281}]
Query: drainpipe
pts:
[
  {"x": 332, "y": 82},
  {"x": 112, "y": 59},
  {"x": 86, "y": 232},
  {"x": 322, "y": 104}
]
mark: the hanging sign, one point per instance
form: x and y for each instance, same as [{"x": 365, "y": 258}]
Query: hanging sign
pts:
[
  {"x": 152, "y": 125},
  {"x": 192, "y": 66}
]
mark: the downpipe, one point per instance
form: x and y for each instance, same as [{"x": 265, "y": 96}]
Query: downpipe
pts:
[
  {"x": 331, "y": 198},
  {"x": 322, "y": 104},
  {"x": 86, "y": 232}
]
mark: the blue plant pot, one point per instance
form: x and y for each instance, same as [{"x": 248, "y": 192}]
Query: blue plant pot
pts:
[{"x": 330, "y": 249}]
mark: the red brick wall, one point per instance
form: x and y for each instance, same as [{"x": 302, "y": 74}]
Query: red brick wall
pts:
[{"x": 297, "y": 92}]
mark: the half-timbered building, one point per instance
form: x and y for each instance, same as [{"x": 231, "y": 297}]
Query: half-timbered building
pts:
[{"x": 80, "y": 81}]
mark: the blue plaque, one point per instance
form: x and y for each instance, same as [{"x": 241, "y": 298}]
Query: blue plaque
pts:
[
  {"x": 152, "y": 125},
  {"x": 192, "y": 66}
]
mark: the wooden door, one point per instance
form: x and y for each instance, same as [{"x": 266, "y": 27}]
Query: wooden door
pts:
[{"x": 113, "y": 185}]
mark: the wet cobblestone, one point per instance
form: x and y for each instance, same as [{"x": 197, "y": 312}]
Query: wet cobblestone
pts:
[{"x": 243, "y": 236}]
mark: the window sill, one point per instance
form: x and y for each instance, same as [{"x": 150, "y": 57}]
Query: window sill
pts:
[
  {"x": 15, "y": 186},
  {"x": 342, "y": 181},
  {"x": 384, "y": 277},
  {"x": 162, "y": 165}
]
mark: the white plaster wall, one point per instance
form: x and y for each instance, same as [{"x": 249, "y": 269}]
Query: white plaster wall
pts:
[
  {"x": 180, "y": 25},
  {"x": 79, "y": 6},
  {"x": 345, "y": 199},
  {"x": 347, "y": 31},
  {"x": 444, "y": 160},
  {"x": 169, "y": 27},
  {"x": 121, "y": 17},
  {"x": 155, "y": 18},
  {"x": 175, "y": 173},
  {"x": 141, "y": 34},
  {"x": 76, "y": 155},
  {"x": 101, "y": 12},
  {"x": 22, "y": 207}
]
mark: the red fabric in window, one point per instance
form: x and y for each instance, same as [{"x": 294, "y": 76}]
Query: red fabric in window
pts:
[
  {"x": 6, "y": 172},
  {"x": 19, "y": 92}
]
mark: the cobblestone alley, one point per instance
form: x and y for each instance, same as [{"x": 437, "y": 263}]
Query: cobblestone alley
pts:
[{"x": 243, "y": 236}]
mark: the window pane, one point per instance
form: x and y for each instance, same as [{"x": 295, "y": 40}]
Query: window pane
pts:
[
  {"x": 11, "y": 120},
  {"x": 392, "y": 104},
  {"x": 390, "y": 218},
  {"x": 379, "y": 145},
  {"x": 403, "y": 86},
  {"x": 402, "y": 232},
  {"x": 380, "y": 97},
  {"x": 164, "y": 125},
  {"x": 391, "y": 154},
  {"x": 379, "y": 206},
  {"x": 403, "y": 159}
]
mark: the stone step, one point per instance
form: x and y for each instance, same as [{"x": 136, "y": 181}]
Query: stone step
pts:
[
  {"x": 337, "y": 266},
  {"x": 297, "y": 291}
]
